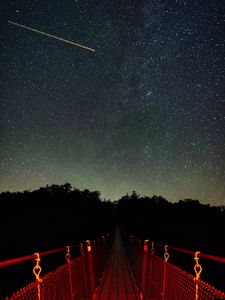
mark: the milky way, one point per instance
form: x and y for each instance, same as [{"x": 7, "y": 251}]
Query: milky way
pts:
[{"x": 145, "y": 112}]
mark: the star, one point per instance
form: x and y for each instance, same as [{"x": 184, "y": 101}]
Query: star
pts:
[{"x": 144, "y": 111}]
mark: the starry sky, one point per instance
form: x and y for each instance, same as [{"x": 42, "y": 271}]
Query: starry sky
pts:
[{"x": 144, "y": 112}]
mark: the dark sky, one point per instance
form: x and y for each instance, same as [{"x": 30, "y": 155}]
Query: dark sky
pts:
[{"x": 145, "y": 112}]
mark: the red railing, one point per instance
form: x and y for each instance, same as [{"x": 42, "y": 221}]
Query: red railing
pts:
[
  {"x": 33, "y": 256},
  {"x": 155, "y": 277},
  {"x": 158, "y": 279},
  {"x": 76, "y": 279}
]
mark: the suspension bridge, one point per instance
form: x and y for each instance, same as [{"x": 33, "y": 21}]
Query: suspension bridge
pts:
[{"x": 121, "y": 267}]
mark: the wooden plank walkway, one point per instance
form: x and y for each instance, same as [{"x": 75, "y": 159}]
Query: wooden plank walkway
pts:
[{"x": 117, "y": 283}]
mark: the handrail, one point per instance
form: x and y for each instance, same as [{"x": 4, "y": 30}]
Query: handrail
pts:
[
  {"x": 203, "y": 255},
  {"x": 200, "y": 254},
  {"x": 33, "y": 256}
]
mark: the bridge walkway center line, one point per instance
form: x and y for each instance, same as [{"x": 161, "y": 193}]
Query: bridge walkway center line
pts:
[{"x": 117, "y": 283}]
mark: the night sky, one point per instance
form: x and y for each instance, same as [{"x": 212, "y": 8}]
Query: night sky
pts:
[{"x": 144, "y": 112}]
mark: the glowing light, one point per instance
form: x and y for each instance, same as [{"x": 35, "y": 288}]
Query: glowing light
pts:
[
  {"x": 146, "y": 245},
  {"x": 88, "y": 245}
]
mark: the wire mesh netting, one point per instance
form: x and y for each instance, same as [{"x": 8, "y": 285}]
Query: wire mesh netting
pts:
[
  {"x": 160, "y": 280},
  {"x": 155, "y": 278},
  {"x": 75, "y": 280}
]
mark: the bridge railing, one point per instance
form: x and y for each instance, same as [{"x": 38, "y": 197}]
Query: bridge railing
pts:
[
  {"x": 76, "y": 279},
  {"x": 158, "y": 279}
]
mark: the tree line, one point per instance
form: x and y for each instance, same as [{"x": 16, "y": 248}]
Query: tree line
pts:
[{"x": 59, "y": 214}]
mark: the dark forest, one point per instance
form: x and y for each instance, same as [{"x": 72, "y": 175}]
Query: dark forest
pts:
[{"x": 59, "y": 215}]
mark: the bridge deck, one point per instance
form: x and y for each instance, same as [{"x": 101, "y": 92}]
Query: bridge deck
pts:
[{"x": 117, "y": 283}]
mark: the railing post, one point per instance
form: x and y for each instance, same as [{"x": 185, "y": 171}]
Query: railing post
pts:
[
  {"x": 144, "y": 269},
  {"x": 90, "y": 267},
  {"x": 166, "y": 257},
  {"x": 84, "y": 270},
  {"x": 150, "y": 270},
  {"x": 37, "y": 272},
  {"x": 68, "y": 256},
  {"x": 198, "y": 270}
]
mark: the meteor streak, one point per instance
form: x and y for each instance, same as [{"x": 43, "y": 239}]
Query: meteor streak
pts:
[{"x": 52, "y": 36}]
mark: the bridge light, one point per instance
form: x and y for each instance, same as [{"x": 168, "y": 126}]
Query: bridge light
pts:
[
  {"x": 88, "y": 242},
  {"x": 146, "y": 245}
]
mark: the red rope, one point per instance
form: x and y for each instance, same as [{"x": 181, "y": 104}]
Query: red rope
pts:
[
  {"x": 203, "y": 255},
  {"x": 17, "y": 260},
  {"x": 33, "y": 256}
]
